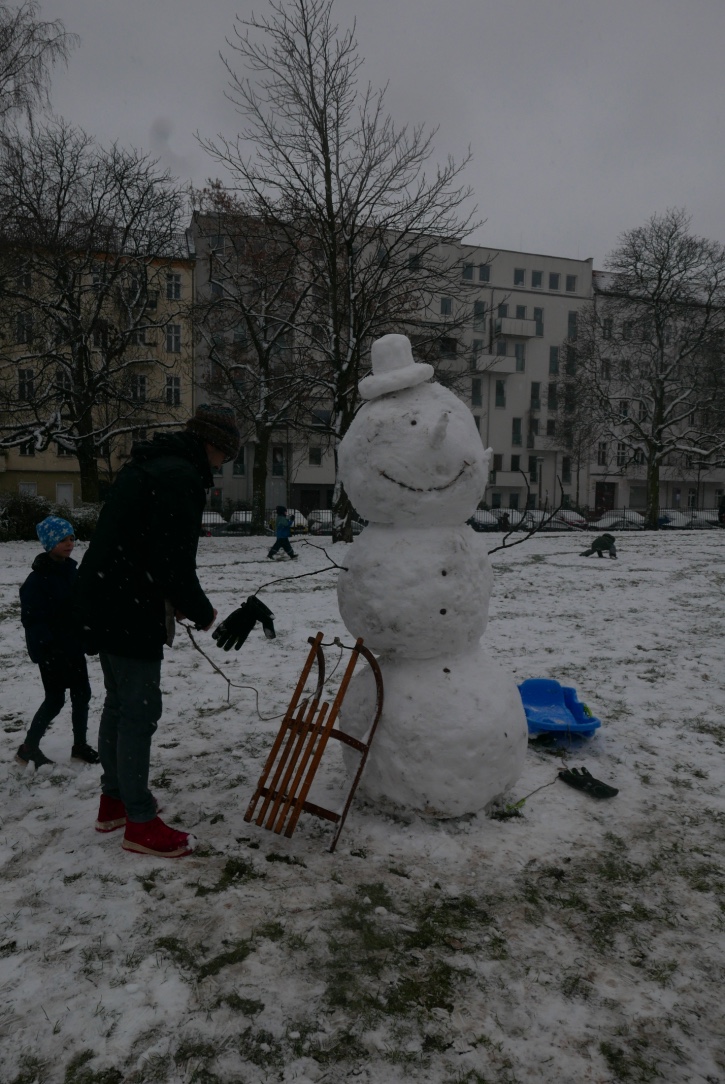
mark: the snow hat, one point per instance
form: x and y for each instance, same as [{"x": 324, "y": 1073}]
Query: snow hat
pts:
[
  {"x": 217, "y": 425},
  {"x": 53, "y": 530},
  {"x": 394, "y": 367}
]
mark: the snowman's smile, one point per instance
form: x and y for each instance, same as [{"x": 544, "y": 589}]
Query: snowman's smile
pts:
[{"x": 427, "y": 489}]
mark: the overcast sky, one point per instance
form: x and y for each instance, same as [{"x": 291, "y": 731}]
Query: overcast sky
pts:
[{"x": 584, "y": 116}]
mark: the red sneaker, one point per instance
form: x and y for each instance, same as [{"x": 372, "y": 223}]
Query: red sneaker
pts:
[
  {"x": 111, "y": 814},
  {"x": 156, "y": 838}
]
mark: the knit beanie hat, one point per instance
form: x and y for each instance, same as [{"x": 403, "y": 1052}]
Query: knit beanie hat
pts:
[
  {"x": 281, "y": 510},
  {"x": 53, "y": 530},
  {"x": 218, "y": 426}
]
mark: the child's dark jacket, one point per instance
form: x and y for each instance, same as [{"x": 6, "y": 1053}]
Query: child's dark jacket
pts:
[
  {"x": 52, "y": 633},
  {"x": 283, "y": 528}
]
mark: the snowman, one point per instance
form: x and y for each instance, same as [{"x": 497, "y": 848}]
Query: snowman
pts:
[{"x": 452, "y": 736}]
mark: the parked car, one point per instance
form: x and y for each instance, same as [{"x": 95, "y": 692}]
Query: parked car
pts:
[
  {"x": 622, "y": 519},
  {"x": 481, "y": 520},
  {"x": 571, "y": 518},
  {"x": 319, "y": 522},
  {"x": 539, "y": 519}
]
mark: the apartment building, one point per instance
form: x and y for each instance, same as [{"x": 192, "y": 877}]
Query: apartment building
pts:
[
  {"x": 151, "y": 379},
  {"x": 524, "y": 306}
]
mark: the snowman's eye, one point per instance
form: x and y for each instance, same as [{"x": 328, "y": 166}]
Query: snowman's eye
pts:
[{"x": 413, "y": 422}]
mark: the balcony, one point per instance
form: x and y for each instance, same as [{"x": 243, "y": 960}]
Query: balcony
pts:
[
  {"x": 507, "y": 478},
  {"x": 493, "y": 363},
  {"x": 519, "y": 329}
]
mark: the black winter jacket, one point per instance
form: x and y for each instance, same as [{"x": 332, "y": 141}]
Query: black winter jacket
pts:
[
  {"x": 143, "y": 550},
  {"x": 51, "y": 628}
]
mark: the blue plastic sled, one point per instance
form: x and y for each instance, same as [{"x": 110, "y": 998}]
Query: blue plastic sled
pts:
[{"x": 555, "y": 709}]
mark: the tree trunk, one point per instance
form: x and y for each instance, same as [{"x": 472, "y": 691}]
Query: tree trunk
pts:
[
  {"x": 259, "y": 482},
  {"x": 88, "y": 464},
  {"x": 653, "y": 493}
]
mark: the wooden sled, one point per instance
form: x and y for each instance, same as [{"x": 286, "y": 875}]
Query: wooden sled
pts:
[{"x": 300, "y": 744}]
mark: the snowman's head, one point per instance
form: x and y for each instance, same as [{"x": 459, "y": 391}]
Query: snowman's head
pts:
[{"x": 414, "y": 457}]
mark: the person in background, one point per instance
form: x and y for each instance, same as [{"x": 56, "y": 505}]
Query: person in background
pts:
[
  {"x": 138, "y": 575},
  {"x": 283, "y": 530},
  {"x": 600, "y": 546},
  {"x": 55, "y": 643}
]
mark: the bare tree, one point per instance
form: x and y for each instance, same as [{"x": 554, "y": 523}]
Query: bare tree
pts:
[
  {"x": 248, "y": 313},
  {"x": 650, "y": 349},
  {"x": 320, "y": 159},
  {"x": 88, "y": 239},
  {"x": 29, "y": 49}
]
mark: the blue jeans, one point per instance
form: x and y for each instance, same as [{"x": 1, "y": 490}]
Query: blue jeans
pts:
[
  {"x": 131, "y": 711},
  {"x": 80, "y": 698}
]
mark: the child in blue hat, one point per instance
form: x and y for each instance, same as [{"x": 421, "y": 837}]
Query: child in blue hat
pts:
[{"x": 54, "y": 642}]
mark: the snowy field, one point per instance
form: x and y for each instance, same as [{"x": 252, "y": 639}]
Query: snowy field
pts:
[{"x": 577, "y": 941}]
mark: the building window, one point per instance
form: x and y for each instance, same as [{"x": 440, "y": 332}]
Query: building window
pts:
[
  {"x": 448, "y": 348},
  {"x": 100, "y": 337},
  {"x": 571, "y": 360},
  {"x": 495, "y": 500},
  {"x": 520, "y": 355},
  {"x": 605, "y": 369},
  {"x": 516, "y": 431},
  {"x": 476, "y": 351},
  {"x": 533, "y": 431},
  {"x": 533, "y": 464},
  {"x": 173, "y": 286},
  {"x": 278, "y": 462},
  {"x": 27, "y": 448},
  {"x": 173, "y": 338},
  {"x": 476, "y": 399},
  {"x": 554, "y": 359},
  {"x": 571, "y": 284},
  {"x": 503, "y": 310},
  {"x": 468, "y": 272},
  {"x": 500, "y": 393},
  {"x": 238, "y": 463},
  {"x": 571, "y": 326},
  {"x": 315, "y": 457},
  {"x": 173, "y": 391},
  {"x": 621, "y": 454},
  {"x": 539, "y": 319},
  {"x": 551, "y": 396},
  {"x": 216, "y": 242},
  {"x": 414, "y": 263},
  {"x": 497, "y": 461},
  {"x": 554, "y": 278},
  {"x": 479, "y": 315},
  {"x": 519, "y": 276},
  {"x": 515, "y": 462},
  {"x": 627, "y": 327},
  {"x": 63, "y": 451},
  {"x": 551, "y": 427},
  {"x": 638, "y": 457},
  {"x": 26, "y": 385},
  {"x": 139, "y": 386},
  {"x": 28, "y": 489},
  {"x": 642, "y": 412},
  {"x": 446, "y": 306},
  {"x": 537, "y": 279},
  {"x": 24, "y": 328},
  {"x": 566, "y": 469},
  {"x": 520, "y": 312},
  {"x": 477, "y": 421},
  {"x": 535, "y": 395},
  {"x": 500, "y": 348},
  {"x": 607, "y": 327},
  {"x": 484, "y": 272},
  {"x": 514, "y": 502},
  {"x": 624, "y": 408}
]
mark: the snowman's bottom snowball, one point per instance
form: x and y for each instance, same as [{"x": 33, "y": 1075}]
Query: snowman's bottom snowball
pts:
[{"x": 452, "y": 736}]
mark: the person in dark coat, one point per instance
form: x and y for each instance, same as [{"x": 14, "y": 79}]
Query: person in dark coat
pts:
[
  {"x": 600, "y": 546},
  {"x": 283, "y": 530},
  {"x": 138, "y": 575},
  {"x": 54, "y": 642}
]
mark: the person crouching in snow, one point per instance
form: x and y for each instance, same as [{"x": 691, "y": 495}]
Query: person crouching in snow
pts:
[
  {"x": 54, "y": 642},
  {"x": 600, "y": 546},
  {"x": 283, "y": 530}
]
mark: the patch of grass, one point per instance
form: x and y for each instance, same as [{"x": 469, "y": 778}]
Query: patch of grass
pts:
[
  {"x": 437, "y": 921},
  {"x": 248, "y": 1006},
  {"x": 273, "y": 931},
  {"x": 576, "y": 986},
  {"x": 77, "y": 1071},
  {"x": 703, "y": 877},
  {"x": 236, "y": 871},
  {"x": 663, "y": 971},
  {"x": 8, "y": 949},
  {"x": 261, "y": 1048},
  {"x": 32, "y": 1071},
  {"x": 288, "y": 859},
  {"x": 628, "y": 1064},
  {"x": 71, "y": 878},
  {"x": 179, "y": 952},
  {"x": 431, "y": 989},
  {"x": 234, "y": 955},
  {"x": 162, "y": 781},
  {"x": 713, "y": 730}
]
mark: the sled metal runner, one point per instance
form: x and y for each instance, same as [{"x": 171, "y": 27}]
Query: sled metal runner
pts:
[{"x": 298, "y": 748}]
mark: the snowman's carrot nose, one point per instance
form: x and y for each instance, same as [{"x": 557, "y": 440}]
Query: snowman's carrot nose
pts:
[{"x": 439, "y": 433}]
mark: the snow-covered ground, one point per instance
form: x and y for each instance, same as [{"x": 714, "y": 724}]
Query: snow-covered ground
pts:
[{"x": 580, "y": 941}]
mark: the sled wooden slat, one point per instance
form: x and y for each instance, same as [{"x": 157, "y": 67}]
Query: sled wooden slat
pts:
[{"x": 290, "y": 768}]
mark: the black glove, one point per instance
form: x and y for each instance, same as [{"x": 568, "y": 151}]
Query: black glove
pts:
[{"x": 235, "y": 629}]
